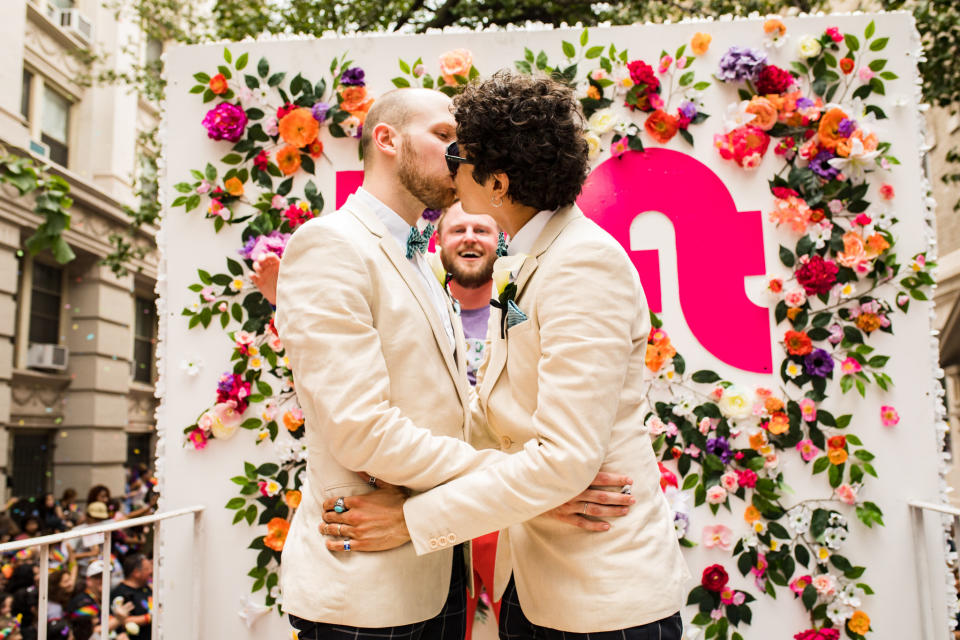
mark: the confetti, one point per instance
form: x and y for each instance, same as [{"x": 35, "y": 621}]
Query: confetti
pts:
[{"x": 90, "y": 336}]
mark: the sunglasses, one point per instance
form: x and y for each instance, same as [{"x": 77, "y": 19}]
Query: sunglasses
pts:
[{"x": 454, "y": 160}]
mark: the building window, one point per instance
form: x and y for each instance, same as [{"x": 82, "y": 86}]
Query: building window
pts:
[
  {"x": 55, "y": 125},
  {"x": 32, "y": 462},
  {"x": 144, "y": 330},
  {"x": 45, "y": 304},
  {"x": 139, "y": 450},
  {"x": 25, "y": 95},
  {"x": 62, "y": 4}
]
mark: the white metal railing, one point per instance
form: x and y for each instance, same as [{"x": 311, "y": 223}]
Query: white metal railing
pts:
[
  {"x": 922, "y": 561},
  {"x": 106, "y": 529}
]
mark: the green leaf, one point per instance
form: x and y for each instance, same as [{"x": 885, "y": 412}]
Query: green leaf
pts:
[
  {"x": 701, "y": 86},
  {"x": 835, "y": 474},
  {"x": 705, "y": 376},
  {"x": 786, "y": 257},
  {"x": 276, "y": 79},
  {"x": 201, "y": 77},
  {"x": 263, "y": 68},
  {"x": 227, "y": 55},
  {"x": 400, "y": 82},
  {"x": 583, "y": 39},
  {"x": 852, "y": 42},
  {"x": 232, "y": 158},
  {"x": 820, "y": 464},
  {"x": 870, "y": 30},
  {"x": 879, "y": 44},
  {"x": 235, "y": 503},
  {"x": 690, "y": 481},
  {"x": 594, "y": 52},
  {"x": 568, "y": 49},
  {"x": 686, "y": 78}
]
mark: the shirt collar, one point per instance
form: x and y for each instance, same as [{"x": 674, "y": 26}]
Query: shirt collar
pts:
[
  {"x": 524, "y": 239},
  {"x": 396, "y": 226}
]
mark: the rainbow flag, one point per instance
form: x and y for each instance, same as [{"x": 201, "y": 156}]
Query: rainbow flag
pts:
[{"x": 87, "y": 611}]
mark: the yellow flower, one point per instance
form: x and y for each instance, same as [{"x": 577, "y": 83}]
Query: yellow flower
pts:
[
  {"x": 237, "y": 284},
  {"x": 233, "y": 186},
  {"x": 823, "y": 554},
  {"x": 593, "y": 144},
  {"x": 256, "y": 363},
  {"x": 263, "y": 435},
  {"x": 809, "y": 47},
  {"x": 436, "y": 265},
  {"x": 505, "y": 269},
  {"x": 602, "y": 121},
  {"x": 859, "y": 622},
  {"x": 253, "y": 351}
]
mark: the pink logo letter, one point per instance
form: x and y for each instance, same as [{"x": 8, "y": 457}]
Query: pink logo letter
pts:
[{"x": 717, "y": 246}]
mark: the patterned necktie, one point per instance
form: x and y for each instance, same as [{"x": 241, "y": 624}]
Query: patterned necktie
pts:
[
  {"x": 501, "y": 245},
  {"x": 417, "y": 242}
]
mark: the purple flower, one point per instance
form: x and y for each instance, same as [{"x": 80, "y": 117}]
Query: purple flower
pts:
[
  {"x": 359, "y": 132},
  {"x": 819, "y": 363},
  {"x": 257, "y": 246},
  {"x": 720, "y": 448},
  {"x": 804, "y": 103},
  {"x": 225, "y": 122},
  {"x": 352, "y": 76},
  {"x": 320, "y": 111},
  {"x": 741, "y": 63},
  {"x": 846, "y": 127},
  {"x": 431, "y": 215},
  {"x": 820, "y": 165},
  {"x": 681, "y": 524},
  {"x": 688, "y": 109}
]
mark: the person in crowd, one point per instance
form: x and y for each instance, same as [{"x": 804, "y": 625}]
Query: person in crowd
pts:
[
  {"x": 60, "y": 589},
  {"x": 6, "y": 602},
  {"x": 51, "y": 516},
  {"x": 83, "y": 610},
  {"x": 29, "y": 527},
  {"x": 67, "y": 508},
  {"x": 24, "y": 610},
  {"x": 59, "y": 629},
  {"x": 136, "y": 590},
  {"x": 576, "y": 314},
  {"x": 82, "y": 550}
]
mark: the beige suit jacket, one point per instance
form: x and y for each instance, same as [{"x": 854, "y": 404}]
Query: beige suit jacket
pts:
[
  {"x": 381, "y": 392},
  {"x": 564, "y": 394}
]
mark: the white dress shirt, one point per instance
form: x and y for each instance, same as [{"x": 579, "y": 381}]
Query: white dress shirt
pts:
[
  {"x": 523, "y": 240},
  {"x": 399, "y": 230}
]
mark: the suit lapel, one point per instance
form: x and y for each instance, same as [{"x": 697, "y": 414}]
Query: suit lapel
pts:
[
  {"x": 498, "y": 355},
  {"x": 414, "y": 281}
]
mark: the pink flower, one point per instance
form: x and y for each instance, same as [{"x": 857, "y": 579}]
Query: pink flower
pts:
[
  {"x": 746, "y": 477},
  {"x": 681, "y": 62},
  {"x": 730, "y": 481},
  {"x": 796, "y": 297},
  {"x": 825, "y": 584},
  {"x": 665, "y": 63},
  {"x": 716, "y": 614},
  {"x": 278, "y": 202},
  {"x": 717, "y": 393},
  {"x": 862, "y": 220},
  {"x": 656, "y": 101},
  {"x": 692, "y": 450},
  {"x": 886, "y": 191},
  {"x": 835, "y": 35},
  {"x": 243, "y": 338},
  {"x": 718, "y": 536},
  {"x": 203, "y": 187},
  {"x": 847, "y": 494},
  {"x": 850, "y": 365},
  {"x": 739, "y": 598},
  {"x": 223, "y": 307},
  {"x": 207, "y": 294},
  {"x": 276, "y": 345},
  {"x": 866, "y": 73},
  {"x": 716, "y": 495},
  {"x": 835, "y": 206},
  {"x": 726, "y": 596},
  {"x": 889, "y": 416},
  {"x": 199, "y": 439},
  {"x": 619, "y": 148},
  {"x": 808, "y": 451},
  {"x": 808, "y": 409},
  {"x": 798, "y": 585}
]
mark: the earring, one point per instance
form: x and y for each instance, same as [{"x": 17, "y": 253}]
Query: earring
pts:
[{"x": 497, "y": 203}]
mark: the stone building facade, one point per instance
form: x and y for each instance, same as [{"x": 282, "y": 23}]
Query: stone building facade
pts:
[{"x": 78, "y": 425}]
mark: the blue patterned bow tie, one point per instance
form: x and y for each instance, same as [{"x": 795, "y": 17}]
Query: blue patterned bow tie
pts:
[
  {"x": 501, "y": 245},
  {"x": 417, "y": 242}
]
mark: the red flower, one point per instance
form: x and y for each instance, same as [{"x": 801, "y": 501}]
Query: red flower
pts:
[
  {"x": 817, "y": 275},
  {"x": 784, "y": 192},
  {"x": 837, "y": 442},
  {"x": 773, "y": 79},
  {"x": 261, "y": 161},
  {"x": 284, "y": 110},
  {"x": 746, "y": 478},
  {"x": 798, "y": 343},
  {"x": 846, "y": 65},
  {"x": 661, "y": 126},
  {"x": 816, "y": 215},
  {"x": 667, "y": 477},
  {"x": 218, "y": 84},
  {"x": 714, "y": 578},
  {"x": 642, "y": 73}
]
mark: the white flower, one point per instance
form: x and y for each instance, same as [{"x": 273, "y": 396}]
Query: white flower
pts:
[
  {"x": 809, "y": 47},
  {"x": 655, "y": 425},
  {"x": 850, "y": 595},
  {"x": 736, "y": 116},
  {"x": 820, "y": 233},
  {"x": 735, "y": 403},
  {"x": 679, "y": 501},
  {"x": 798, "y": 519},
  {"x": 750, "y": 541},
  {"x": 191, "y": 367},
  {"x": 838, "y": 612},
  {"x": 837, "y": 519},
  {"x": 833, "y": 538},
  {"x": 716, "y": 495},
  {"x": 194, "y": 306},
  {"x": 251, "y": 611},
  {"x": 276, "y": 594},
  {"x": 793, "y": 370},
  {"x": 684, "y": 406},
  {"x": 602, "y": 121},
  {"x": 237, "y": 284},
  {"x": 854, "y": 166},
  {"x": 593, "y": 144}
]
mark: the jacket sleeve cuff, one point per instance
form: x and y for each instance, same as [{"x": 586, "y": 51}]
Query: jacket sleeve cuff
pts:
[{"x": 426, "y": 539}]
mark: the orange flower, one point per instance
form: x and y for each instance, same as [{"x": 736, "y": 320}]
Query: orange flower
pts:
[
  {"x": 661, "y": 126},
  {"x": 700, "y": 43},
  {"x": 218, "y": 84},
  {"x": 353, "y": 98},
  {"x": 793, "y": 312},
  {"x": 775, "y": 25},
  {"x": 798, "y": 343},
  {"x": 233, "y": 186},
  {"x": 876, "y": 244},
  {"x": 846, "y": 65},
  {"x": 868, "y": 322},
  {"x": 276, "y": 534},
  {"x": 292, "y": 420},
  {"x": 772, "y": 405},
  {"x": 765, "y": 112},
  {"x": 779, "y": 424},
  {"x": 758, "y": 441},
  {"x": 829, "y": 129},
  {"x": 859, "y": 623},
  {"x": 315, "y": 149},
  {"x": 853, "y": 252},
  {"x": 288, "y": 159},
  {"x": 658, "y": 354},
  {"x": 837, "y": 456},
  {"x": 455, "y": 63},
  {"x": 299, "y": 128},
  {"x": 593, "y": 93},
  {"x": 752, "y": 514},
  {"x": 292, "y": 498}
]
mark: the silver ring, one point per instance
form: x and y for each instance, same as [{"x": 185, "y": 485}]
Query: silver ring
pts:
[
  {"x": 338, "y": 506},
  {"x": 346, "y": 545},
  {"x": 339, "y": 527},
  {"x": 584, "y": 508},
  {"x": 372, "y": 482}
]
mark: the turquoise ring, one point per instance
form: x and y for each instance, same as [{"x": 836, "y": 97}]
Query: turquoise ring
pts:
[{"x": 339, "y": 506}]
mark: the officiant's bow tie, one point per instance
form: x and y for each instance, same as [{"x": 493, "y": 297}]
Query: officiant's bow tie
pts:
[{"x": 417, "y": 241}]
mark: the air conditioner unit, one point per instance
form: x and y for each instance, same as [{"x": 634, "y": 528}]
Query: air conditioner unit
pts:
[
  {"x": 47, "y": 356},
  {"x": 40, "y": 148},
  {"x": 77, "y": 24}
]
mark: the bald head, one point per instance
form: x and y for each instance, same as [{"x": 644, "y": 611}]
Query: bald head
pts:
[{"x": 397, "y": 108}]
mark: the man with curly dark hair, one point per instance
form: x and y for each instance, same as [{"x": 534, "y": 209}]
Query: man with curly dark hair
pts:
[{"x": 562, "y": 389}]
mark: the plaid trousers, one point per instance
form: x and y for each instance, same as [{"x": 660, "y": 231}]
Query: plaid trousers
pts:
[
  {"x": 515, "y": 626},
  {"x": 449, "y": 624}
]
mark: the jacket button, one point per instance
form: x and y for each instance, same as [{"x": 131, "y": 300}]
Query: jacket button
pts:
[
  {"x": 442, "y": 541},
  {"x": 433, "y": 543},
  {"x": 452, "y": 538},
  {"x": 505, "y": 442}
]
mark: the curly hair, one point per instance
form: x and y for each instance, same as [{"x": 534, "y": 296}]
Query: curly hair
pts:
[{"x": 529, "y": 128}]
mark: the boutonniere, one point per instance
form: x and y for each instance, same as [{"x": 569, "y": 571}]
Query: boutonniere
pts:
[
  {"x": 436, "y": 266},
  {"x": 505, "y": 271}
]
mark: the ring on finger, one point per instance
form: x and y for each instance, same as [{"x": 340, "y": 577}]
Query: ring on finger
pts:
[
  {"x": 372, "y": 482},
  {"x": 584, "y": 508},
  {"x": 339, "y": 506},
  {"x": 346, "y": 545}
]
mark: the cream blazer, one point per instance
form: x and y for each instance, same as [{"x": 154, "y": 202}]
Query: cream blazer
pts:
[
  {"x": 381, "y": 392},
  {"x": 564, "y": 393}
]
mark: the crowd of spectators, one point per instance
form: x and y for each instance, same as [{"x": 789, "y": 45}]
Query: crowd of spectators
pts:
[{"x": 76, "y": 572}]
